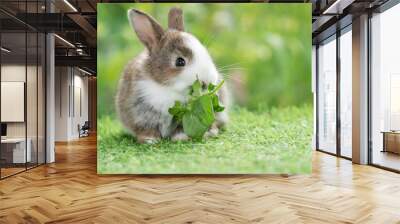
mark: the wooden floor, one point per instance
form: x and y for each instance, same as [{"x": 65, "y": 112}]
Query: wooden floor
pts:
[
  {"x": 70, "y": 191},
  {"x": 387, "y": 159},
  {"x": 10, "y": 171}
]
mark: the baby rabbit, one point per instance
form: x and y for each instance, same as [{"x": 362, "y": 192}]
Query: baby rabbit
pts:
[{"x": 162, "y": 74}]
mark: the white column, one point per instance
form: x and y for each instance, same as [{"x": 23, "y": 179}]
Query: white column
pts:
[
  {"x": 50, "y": 92},
  {"x": 50, "y": 100},
  {"x": 360, "y": 90}
]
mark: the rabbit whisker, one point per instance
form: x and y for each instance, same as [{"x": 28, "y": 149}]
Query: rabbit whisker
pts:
[
  {"x": 236, "y": 80},
  {"x": 230, "y": 65},
  {"x": 230, "y": 69}
]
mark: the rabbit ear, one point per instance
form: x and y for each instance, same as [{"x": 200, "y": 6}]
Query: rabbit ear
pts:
[
  {"x": 175, "y": 19},
  {"x": 147, "y": 29}
]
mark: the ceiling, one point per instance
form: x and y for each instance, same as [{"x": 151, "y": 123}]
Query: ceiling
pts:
[
  {"x": 331, "y": 15},
  {"x": 75, "y": 23}
]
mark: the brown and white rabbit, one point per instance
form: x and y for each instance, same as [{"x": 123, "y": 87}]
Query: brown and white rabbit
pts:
[{"x": 160, "y": 75}]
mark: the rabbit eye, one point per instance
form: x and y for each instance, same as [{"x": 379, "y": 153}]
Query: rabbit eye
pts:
[{"x": 180, "y": 62}]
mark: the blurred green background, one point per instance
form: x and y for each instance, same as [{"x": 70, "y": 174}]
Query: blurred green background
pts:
[{"x": 263, "y": 49}]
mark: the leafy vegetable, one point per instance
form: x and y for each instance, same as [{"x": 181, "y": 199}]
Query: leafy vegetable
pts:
[{"x": 198, "y": 114}]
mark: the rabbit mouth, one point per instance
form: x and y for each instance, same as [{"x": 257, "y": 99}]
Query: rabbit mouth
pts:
[{"x": 179, "y": 85}]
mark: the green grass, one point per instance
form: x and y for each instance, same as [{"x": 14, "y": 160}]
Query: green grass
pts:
[{"x": 273, "y": 141}]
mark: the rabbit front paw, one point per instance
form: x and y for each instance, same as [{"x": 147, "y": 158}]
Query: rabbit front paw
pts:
[
  {"x": 213, "y": 132},
  {"x": 148, "y": 139},
  {"x": 179, "y": 136}
]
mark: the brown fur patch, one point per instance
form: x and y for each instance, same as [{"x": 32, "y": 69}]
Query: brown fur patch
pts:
[
  {"x": 161, "y": 62},
  {"x": 175, "y": 19}
]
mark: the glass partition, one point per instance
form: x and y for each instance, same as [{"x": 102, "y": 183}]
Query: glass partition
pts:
[
  {"x": 22, "y": 77},
  {"x": 14, "y": 153}
]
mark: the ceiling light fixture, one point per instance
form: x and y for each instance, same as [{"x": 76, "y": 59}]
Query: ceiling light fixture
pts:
[
  {"x": 70, "y": 5},
  {"x": 5, "y": 50},
  {"x": 84, "y": 71},
  {"x": 64, "y": 40}
]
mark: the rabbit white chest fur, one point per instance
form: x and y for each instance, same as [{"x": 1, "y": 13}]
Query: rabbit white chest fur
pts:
[{"x": 161, "y": 97}]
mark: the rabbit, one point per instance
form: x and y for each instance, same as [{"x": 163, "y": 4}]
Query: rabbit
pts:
[{"x": 162, "y": 74}]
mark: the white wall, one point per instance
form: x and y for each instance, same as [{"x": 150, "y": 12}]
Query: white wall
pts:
[
  {"x": 70, "y": 83},
  {"x": 12, "y": 99},
  {"x": 80, "y": 93},
  {"x": 62, "y": 81}
]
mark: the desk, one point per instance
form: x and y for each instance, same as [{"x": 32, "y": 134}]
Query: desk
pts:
[
  {"x": 391, "y": 141},
  {"x": 15, "y": 148}
]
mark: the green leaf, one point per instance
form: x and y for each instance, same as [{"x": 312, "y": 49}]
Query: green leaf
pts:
[
  {"x": 211, "y": 87},
  {"x": 196, "y": 88},
  {"x": 216, "y": 105},
  {"x": 198, "y": 114},
  {"x": 215, "y": 90},
  {"x": 177, "y": 111},
  {"x": 193, "y": 127},
  {"x": 203, "y": 108}
]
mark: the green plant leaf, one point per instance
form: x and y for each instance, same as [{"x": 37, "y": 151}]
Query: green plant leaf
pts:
[
  {"x": 198, "y": 114},
  {"x": 211, "y": 87},
  {"x": 196, "y": 88},
  {"x": 216, "y": 105},
  {"x": 177, "y": 111},
  {"x": 193, "y": 127},
  {"x": 203, "y": 108}
]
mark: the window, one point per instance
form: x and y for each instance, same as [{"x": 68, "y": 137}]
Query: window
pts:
[
  {"x": 327, "y": 95},
  {"x": 346, "y": 92},
  {"x": 385, "y": 89}
]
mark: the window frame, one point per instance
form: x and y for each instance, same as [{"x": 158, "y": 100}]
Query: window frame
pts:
[
  {"x": 333, "y": 37},
  {"x": 381, "y": 9}
]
